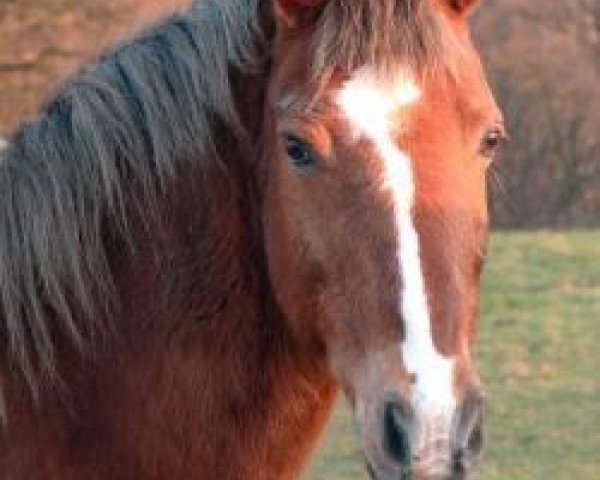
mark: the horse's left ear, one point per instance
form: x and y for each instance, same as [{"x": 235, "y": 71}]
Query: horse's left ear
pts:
[
  {"x": 294, "y": 13},
  {"x": 463, "y": 7}
]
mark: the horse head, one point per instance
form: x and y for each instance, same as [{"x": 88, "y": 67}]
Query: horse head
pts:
[{"x": 375, "y": 216}]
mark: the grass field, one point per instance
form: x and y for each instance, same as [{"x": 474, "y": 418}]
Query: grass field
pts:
[{"x": 539, "y": 354}]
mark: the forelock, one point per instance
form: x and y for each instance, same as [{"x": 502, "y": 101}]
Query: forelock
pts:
[{"x": 352, "y": 33}]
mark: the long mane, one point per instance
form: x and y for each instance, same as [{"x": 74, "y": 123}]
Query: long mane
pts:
[
  {"x": 127, "y": 123},
  {"x": 131, "y": 123}
]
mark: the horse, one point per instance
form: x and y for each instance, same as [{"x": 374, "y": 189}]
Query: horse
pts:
[{"x": 211, "y": 230}]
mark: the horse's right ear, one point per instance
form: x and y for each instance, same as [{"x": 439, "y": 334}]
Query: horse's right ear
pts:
[{"x": 296, "y": 13}]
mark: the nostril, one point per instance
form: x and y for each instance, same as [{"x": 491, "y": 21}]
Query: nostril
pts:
[
  {"x": 475, "y": 438},
  {"x": 469, "y": 436},
  {"x": 458, "y": 461},
  {"x": 466, "y": 453},
  {"x": 396, "y": 433}
]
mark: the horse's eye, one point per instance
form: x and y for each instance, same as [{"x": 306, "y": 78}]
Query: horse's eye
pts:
[
  {"x": 299, "y": 152},
  {"x": 491, "y": 142}
]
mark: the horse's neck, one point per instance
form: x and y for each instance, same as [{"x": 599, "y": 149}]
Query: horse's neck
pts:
[
  {"x": 201, "y": 379},
  {"x": 220, "y": 376}
]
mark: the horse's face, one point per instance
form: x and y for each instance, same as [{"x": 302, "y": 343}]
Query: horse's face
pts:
[{"x": 376, "y": 223}]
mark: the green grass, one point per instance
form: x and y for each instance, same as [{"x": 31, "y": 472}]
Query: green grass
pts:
[{"x": 539, "y": 354}]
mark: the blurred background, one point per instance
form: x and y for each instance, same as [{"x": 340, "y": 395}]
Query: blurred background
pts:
[
  {"x": 539, "y": 346},
  {"x": 543, "y": 59}
]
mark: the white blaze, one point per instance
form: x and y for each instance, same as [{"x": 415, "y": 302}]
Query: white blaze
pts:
[{"x": 370, "y": 103}]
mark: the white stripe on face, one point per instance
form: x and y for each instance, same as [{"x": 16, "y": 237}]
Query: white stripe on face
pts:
[{"x": 369, "y": 103}]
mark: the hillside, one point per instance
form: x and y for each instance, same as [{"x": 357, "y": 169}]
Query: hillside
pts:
[{"x": 42, "y": 41}]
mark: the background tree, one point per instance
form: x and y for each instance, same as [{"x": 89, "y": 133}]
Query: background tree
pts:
[{"x": 544, "y": 61}]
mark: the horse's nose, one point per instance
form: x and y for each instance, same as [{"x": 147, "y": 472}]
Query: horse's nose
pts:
[
  {"x": 468, "y": 439},
  {"x": 404, "y": 445},
  {"x": 397, "y": 427}
]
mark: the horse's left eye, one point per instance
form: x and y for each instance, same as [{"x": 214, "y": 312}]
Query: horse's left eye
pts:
[
  {"x": 299, "y": 152},
  {"x": 492, "y": 140}
]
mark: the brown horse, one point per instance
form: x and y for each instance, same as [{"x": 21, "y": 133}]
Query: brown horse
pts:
[{"x": 209, "y": 231}]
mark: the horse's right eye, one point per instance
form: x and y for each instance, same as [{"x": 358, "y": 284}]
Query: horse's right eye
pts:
[{"x": 299, "y": 152}]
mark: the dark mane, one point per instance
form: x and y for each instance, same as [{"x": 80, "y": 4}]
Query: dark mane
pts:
[{"x": 127, "y": 123}]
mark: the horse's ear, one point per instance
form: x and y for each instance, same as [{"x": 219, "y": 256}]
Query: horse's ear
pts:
[
  {"x": 294, "y": 13},
  {"x": 463, "y": 7}
]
